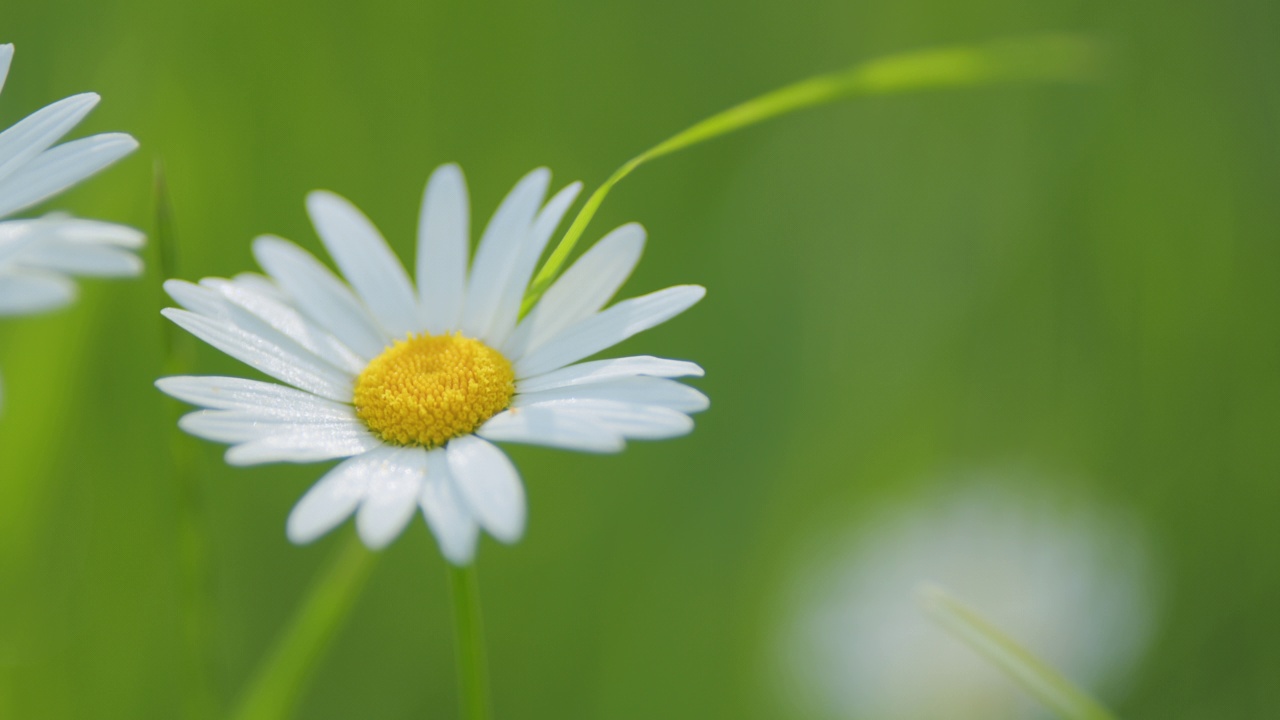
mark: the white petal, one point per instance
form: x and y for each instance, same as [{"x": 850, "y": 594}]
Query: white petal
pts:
[
  {"x": 637, "y": 391},
  {"x": 237, "y": 305},
  {"x": 328, "y": 502},
  {"x": 197, "y": 299},
  {"x": 58, "y": 241},
  {"x": 611, "y": 369},
  {"x": 307, "y": 445},
  {"x": 581, "y": 291},
  {"x": 446, "y": 512},
  {"x": 262, "y": 285},
  {"x": 319, "y": 294},
  {"x": 228, "y": 393},
  {"x": 443, "y": 244},
  {"x": 266, "y": 417},
  {"x": 647, "y": 422},
  {"x": 16, "y": 236},
  {"x": 508, "y": 309},
  {"x": 81, "y": 259},
  {"x": 395, "y": 477},
  {"x": 40, "y": 130},
  {"x": 6, "y": 57},
  {"x": 366, "y": 261},
  {"x": 58, "y": 169},
  {"x": 278, "y": 357},
  {"x": 92, "y": 232},
  {"x": 490, "y": 486},
  {"x": 240, "y": 426},
  {"x": 499, "y": 252},
  {"x": 608, "y": 328},
  {"x": 30, "y": 291},
  {"x": 547, "y": 426},
  {"x": 289, "y": 322}
]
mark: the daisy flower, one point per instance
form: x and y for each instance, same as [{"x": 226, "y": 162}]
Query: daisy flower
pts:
[
  {"x": 412, "y": 385},
  {"x": 37, "y": 256}
]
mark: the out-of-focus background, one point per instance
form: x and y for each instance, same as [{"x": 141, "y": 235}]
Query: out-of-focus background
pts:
[{"x": 1019, "y": 341}]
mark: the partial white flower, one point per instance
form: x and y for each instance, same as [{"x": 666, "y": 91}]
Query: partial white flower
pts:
[
  {"x": 37, "y": 257},
  {"x": 412, "y": 383},
  {"x": 1069, "y": 581}
]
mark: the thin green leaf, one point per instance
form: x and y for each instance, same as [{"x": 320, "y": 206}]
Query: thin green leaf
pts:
[
  {"x": 1042, "y": 681},
  {"x": 1039, "y": 58}
]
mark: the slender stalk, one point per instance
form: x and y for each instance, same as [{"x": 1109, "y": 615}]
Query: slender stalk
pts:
[
  {"x": 473, "y": 672},
  {"x": 1035, "y": 58},
  {"x": 277, "y": 687},
  {"x": 1046, "y": 684}
]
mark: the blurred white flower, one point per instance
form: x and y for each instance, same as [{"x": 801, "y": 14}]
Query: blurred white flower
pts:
[
  {"x": 411, "y": 384},
  {"x": 1070, "y": 582},
  {"x": 38, "y": 256}
]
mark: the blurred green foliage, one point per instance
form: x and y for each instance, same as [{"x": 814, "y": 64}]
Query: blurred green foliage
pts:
[{"x": 1077, "y": 279}]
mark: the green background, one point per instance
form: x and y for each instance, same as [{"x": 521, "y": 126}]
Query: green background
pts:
[{"x": 1081, "y": 280}]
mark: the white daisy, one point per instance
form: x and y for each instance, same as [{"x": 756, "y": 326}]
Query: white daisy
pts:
[
  {"x": 411, "y": 384},
  {"x": 38, "y": 256}
]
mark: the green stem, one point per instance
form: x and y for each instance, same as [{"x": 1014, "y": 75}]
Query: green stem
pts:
[
  {"x": 473, "y": 673},
  {"x": 275, "y": 690},
  {"x": 1037, "y": 58},
  {"x": 1042, "y": 681}
]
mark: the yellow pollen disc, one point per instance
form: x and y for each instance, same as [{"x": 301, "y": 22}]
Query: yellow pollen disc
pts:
[{"x": 429, "y": 388}]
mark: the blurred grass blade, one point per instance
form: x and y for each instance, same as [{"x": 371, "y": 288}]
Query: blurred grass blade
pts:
[
  {"x": 1036, "y": 58},
  {"x": 1042, "y": 681},
  {"x": 179, "y": 348},
  {"x": 274, "y": 692},
  {"x": 199, "y": 697}
]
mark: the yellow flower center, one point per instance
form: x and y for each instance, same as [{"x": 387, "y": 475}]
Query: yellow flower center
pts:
[{"x": 428, "y": 389}]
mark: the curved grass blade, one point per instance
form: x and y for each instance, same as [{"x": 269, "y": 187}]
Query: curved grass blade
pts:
[
  {"x": 1037, "y": 58},
  {"x": 282, "y": 678},
  {"x": 1042, "y": 681}
]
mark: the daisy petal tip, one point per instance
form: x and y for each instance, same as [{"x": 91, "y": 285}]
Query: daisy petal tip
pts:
[
  {"x": 449, "y": 171},
  {"x": 323, "y": 203},
  {"x": 234, "y": 456},
  {"x": 377, "y": 536},
  {"x": 459, "y": 554},
  {"x": 459, "y": 561},
  {"x": 172, "y": 386},
  {"x": 175, "y": 285},
  {"x": 299, "y": 536},
  {"x": 265, "y": 248},
  {"x": 510, "y": 533},
  {"x": 85, "y": 99},
  {"x": 632, "y": 230},
  {"x": 305, "y": 525},
  {"x": 126, "y": 142}
]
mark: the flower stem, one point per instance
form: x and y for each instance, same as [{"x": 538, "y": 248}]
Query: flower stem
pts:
[
  {"x": 473, "y": 673},
  {"x": 274, "y": 692}
]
